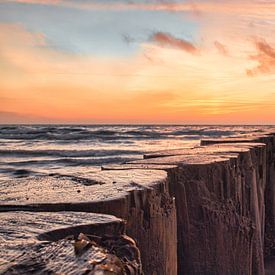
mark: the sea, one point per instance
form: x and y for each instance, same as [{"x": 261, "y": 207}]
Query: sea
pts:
[{"x": 77, "y": 151}]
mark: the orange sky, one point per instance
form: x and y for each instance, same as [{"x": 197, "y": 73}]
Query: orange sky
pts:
[{"x": 222, "y": 73}]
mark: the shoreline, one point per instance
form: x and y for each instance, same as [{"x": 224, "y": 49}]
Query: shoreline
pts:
[{"x": 209, "y": 208}]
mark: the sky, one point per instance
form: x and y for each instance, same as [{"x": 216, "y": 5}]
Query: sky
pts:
[{"x": 115, "y": 61}]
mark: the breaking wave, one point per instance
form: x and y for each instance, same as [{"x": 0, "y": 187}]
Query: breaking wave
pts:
[{"x": 75, "y": 149}]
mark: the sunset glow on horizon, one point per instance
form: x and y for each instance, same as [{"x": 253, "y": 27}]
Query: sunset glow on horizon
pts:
[{"x": 189, "y": 62}]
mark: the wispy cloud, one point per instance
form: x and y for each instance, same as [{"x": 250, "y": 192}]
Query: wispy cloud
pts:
[
  {"x": 265, "y": 58},
  {"x": 194, "y": 86},
  {"x": 115, "y": 5},
  {"x": 222, "y": 49},
  {"x": 14, "y": 117},
  {"x": 212, "y": 6},
  {"x": 39, "y": 2},
  {"x": 168, "y": 40},
  {"x": 127, "y": 38}
]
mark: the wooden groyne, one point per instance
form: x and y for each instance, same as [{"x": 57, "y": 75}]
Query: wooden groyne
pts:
[
  {"x": 142, "y": 198},
  {"x": 37, "y": 243},
  {"x": 205, "y": 210}
]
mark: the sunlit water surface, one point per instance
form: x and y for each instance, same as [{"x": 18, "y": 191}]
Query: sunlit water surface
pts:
[{"x": 78, "y": 150}]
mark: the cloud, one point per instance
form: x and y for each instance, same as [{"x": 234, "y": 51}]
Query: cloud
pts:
[
  {"x": 38, "y": 2},
  {"x": 115, "y": 5},
  {"x": 265, "y": 59},
  {"x": 265, "y": 48},
  {"x": 167, "y": 40},
  {"x": 14, "y": 117},
  {"x": 62, "y": 86},
  {"x": 198, "y": 7},
  {"x": 127, "y": 38},
  {"x": 222, "y": 49},
  {"x": 13, "y": 34}
]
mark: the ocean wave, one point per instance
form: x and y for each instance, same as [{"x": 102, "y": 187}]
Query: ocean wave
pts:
[
  {"x": 67, "y": 153},
  {"x": 73, "y": 133},
  {"x": 61, "y": 148},
  {"x": 86, "y": 133},
  {"x": 71, "y": 161}
]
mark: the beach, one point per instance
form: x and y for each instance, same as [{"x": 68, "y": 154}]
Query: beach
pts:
[{"x": 206, "y": 207}]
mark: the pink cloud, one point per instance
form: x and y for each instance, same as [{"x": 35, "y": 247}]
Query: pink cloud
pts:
[
  {"x": 167, "y": 40},
  {"x": 211, "y": 6},
  {"x": 222, "y": 49},
  {"x": 265, "y": 58},
  {"x": 41, "y": 2}
]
